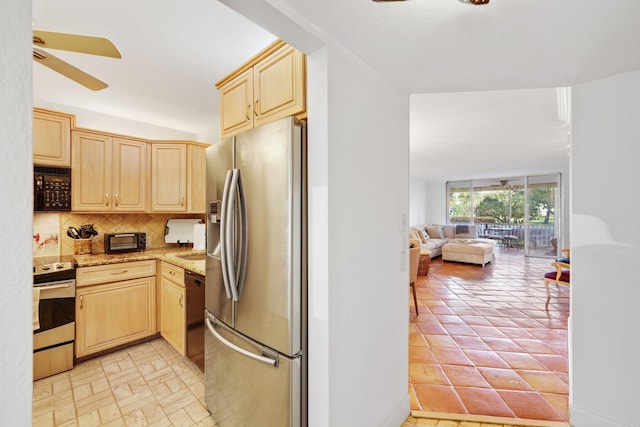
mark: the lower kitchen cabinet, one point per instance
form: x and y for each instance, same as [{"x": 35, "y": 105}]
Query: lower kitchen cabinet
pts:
[
  {"x": 172, "y": 319},
  {"x": 114, "y": 313},
  {"x": 173, "y": 311}
]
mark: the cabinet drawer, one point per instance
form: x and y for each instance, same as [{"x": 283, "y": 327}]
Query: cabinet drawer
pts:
[
  {"x": 173, "y": 273},
  {"x": 86, "y": 276}
]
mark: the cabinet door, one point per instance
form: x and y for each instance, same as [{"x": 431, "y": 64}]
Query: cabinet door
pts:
[
  {"x": 168, "y": 177},
  {"x": 196, "y": 179},
  {"x": 278, "y": 86},
  {"x": 173, "y": 317},
  {"x": 130, "y": 175},
  {"x": 91, "y": 172},
  {"x": 113, "y": 314},
  {"x": 236, "y": 104},
  {"x": 51, "y": 139}
]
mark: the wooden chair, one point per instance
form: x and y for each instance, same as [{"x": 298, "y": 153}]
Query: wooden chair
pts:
[
  {"x": 561, "y": 275},
  {"x": 414, "y": 260}
]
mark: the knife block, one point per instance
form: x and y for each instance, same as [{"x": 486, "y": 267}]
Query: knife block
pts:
[{"x": 82, "y": 246}]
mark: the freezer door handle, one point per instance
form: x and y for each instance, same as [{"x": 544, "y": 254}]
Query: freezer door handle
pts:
[
  {"x": 243, "y": 237},
  {"x": 258, "y": 357},
  {"x": 223, "y": 234}
]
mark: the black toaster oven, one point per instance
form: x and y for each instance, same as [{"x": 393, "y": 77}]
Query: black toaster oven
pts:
[{"x": 124, "y": 242}]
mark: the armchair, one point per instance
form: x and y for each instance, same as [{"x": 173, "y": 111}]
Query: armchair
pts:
[{"x": 561, "y": 275}]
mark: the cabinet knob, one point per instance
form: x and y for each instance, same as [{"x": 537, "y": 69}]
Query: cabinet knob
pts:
[
  {"x": 81, "y": 301},
  {"x": 107, "y": 196},
  {"x": 117, "y": 199},
  {"x": 180, "y": 302},
  {"x": 255, "y": 109},
  {"x": 248, "y": 111}
]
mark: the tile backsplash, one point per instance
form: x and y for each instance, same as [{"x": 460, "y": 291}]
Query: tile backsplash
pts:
[{"x": 152, "y": 224}]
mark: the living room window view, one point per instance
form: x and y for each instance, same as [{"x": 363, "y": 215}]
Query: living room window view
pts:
[
  {"x": 482, "y": 341},
  {"x": 518, "y": 212}
]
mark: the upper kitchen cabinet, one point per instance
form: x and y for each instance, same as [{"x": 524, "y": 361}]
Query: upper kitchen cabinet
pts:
[
  {"x": 169, "y": 177},
  {"x": 51, "y": 138},
  {"x": 178, "y": 177},
  {"x": 108, "y": 173},
  {"x": 196, "y": 178},
  {"x": 272, "y": 85}
]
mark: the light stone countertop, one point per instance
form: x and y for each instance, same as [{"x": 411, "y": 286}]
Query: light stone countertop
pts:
[{"x": 171, "y": 255}]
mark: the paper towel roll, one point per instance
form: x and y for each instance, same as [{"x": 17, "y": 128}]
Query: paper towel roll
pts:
[{"x": 199, "y": 236}]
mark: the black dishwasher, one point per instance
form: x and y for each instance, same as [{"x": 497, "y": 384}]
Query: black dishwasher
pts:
[{"x": 194, "y": 285}]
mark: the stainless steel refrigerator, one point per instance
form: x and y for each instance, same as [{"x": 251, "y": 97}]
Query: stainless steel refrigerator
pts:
[{"x": 256, "y": 279}]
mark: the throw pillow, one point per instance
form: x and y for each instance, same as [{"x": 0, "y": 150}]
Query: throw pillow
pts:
[
  {"x": 417, "y": 234},
  {"x": 435, "y": 232}
]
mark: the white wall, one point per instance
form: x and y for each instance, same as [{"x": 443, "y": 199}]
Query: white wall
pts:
[
  {"x": 418, "y": 200},
  {"x": 605, "y": 252},
  {"x": 436, "y": 202},
  {"x": 16, "y": 206},
  {"x": 358, "y": 328},
  {"x": 108, "y": 123}
]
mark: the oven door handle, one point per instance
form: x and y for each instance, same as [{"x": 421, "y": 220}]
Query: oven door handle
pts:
[{"x": 50, "y": 288}]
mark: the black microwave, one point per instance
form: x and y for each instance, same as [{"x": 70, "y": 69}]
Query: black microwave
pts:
[
  {"x": 51, "y": 189},
  {"x": 124, "y": 242}
]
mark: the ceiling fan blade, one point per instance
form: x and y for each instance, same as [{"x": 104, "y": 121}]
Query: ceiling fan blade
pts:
[
  {"x": 75, "y": 43},
  {"x": 68, "y": 70}
]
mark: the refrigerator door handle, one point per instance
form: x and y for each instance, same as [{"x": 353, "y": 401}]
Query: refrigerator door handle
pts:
[
  {"x": 230, "y": 228},
  {"x": 243, "y": 238},
  {"x": 259, "y": 358},
  {"x": 223, "y": 234}
]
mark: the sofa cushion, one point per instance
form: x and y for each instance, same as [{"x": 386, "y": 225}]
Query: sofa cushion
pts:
[
  {"x": 464, "y": 231},
  {"x": 435, "y": 232},
  {"x": 449, "y": 231},
  {"x": 416, "y": 233}
]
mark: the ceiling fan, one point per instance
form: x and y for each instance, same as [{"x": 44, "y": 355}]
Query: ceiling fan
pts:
[
  {"x": 475, "y": 2},
  {"x": 73, "y": 43}
]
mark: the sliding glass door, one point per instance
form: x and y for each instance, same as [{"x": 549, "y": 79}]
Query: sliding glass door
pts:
[
  {"x": 518, "y": 212},
  {"x": 542, "y": 228}
]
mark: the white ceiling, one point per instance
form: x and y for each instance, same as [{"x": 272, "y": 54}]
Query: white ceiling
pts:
[{"x": 173, "y": 52}]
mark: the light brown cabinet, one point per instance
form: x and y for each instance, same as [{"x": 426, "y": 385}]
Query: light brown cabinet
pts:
[
  {"x": 112, "y": 308},
  {"x": 173, "y": 307},
  {"x": 51, "y": 138},
  {"x": 269, "y": 87},
  {"x": 196, "y": 179},
  {"x": 169, "y": 177},
  {"x": 108, "y": 173}
]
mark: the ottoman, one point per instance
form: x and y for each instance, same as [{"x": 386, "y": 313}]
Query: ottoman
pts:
[{"x": 467, "y": 251}]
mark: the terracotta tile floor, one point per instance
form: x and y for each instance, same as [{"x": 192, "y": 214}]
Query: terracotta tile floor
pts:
[
  {"x": 483, "y": 343},
  {"x": 146, "y": 385}
]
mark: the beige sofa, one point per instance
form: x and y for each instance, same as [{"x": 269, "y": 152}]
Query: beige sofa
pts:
[{"x": 433, "y": 237}]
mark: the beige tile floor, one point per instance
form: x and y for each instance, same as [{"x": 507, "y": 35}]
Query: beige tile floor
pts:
[{"x": 146, "y": 385}]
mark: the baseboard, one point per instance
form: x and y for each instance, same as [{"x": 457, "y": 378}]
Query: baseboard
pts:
[
  {"x": 489, "y": 419},
  {"x": 583, "y": 418}
]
